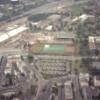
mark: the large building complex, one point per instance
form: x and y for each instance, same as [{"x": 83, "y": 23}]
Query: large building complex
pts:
[
  {"x": 49, "y": 50},
  {"x": 52, "y": 58}
]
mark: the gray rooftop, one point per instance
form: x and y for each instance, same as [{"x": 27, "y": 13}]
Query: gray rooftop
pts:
[{"x": 64, "y": 35}]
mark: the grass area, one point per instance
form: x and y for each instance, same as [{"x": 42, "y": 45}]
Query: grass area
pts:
[
  {"x": 45, "y": 76},
  {"x": 48, "y": 76},
  {"x": 38, "y": 17},
  {"x": 77, "y": 9},
  {"x": 37, "y": 48},
  {"x": 37, "y": 0},
  {"x": 53, "y": 49},
  {"x": 81, "y": 67},
  {"x": 46, "y": 48}
]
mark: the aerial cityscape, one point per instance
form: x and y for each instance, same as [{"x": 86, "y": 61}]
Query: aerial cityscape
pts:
[{"x": 49, "y": 49}]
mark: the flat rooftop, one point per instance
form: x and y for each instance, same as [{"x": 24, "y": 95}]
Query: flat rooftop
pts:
[
  {"x": 6, "y": 35},
  {"x": 64, "y": 35},
  {"x": 61, "y": 49}
]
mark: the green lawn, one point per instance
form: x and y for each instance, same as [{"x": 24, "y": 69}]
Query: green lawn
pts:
[
  {"x": 77, "y": 9},
  {"x": 81, "y": 68},
  {"x": 54, "y": 48},
  {"x": 49, "y": 48}
]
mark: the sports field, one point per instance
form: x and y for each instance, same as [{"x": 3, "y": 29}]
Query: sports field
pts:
[{"x": 53, "y": 49}]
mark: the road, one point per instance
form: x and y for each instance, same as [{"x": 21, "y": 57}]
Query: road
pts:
[
  {"x": 45, "y": 92},
  {"x": 52, "y": 7},
  {"x": 47, "y": 8},
  {"x": 76, "y": 87},
  {"x": 3, "y": 63},
  {"x": 10, "y": 51},
  {"x": 10, "y": 89},
  {"x": 13, "y": 52},
  {"x": 87, "y": 93},
  {"x": 61, "y": 93}
]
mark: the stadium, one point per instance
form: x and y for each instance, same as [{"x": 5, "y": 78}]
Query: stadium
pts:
[{"x": 53, "y": 49}]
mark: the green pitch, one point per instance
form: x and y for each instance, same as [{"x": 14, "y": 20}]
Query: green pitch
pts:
[{"x": 54, "y": 48}]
